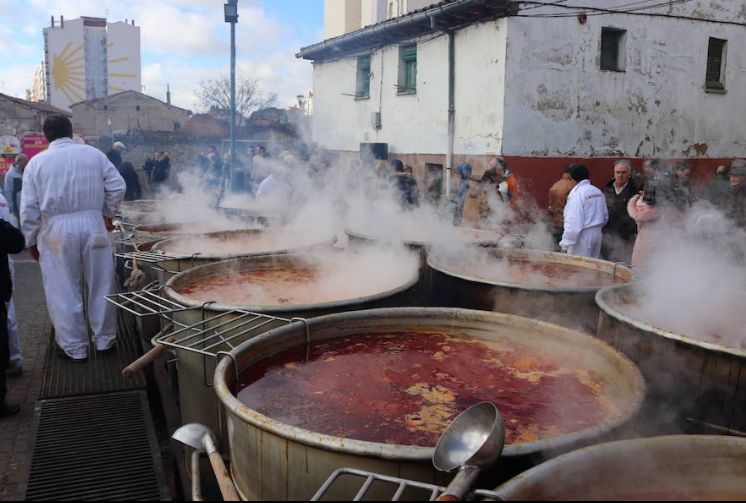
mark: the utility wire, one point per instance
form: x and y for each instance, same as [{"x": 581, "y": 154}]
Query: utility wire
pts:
[
  {"x": 602, "y": 11},
  {"x": 632, "y": 12}
]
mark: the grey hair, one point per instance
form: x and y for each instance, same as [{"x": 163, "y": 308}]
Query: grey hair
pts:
[{"x": 625, "y": 162}]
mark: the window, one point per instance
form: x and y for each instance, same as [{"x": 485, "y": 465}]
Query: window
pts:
[
  {"x": 613, "y": 50},
  {"x": 137, "y": 108},
  {"x": 362, "y": 89},
  {"x": 715, "y": 77},
  {"x": 407, "y": 69}
]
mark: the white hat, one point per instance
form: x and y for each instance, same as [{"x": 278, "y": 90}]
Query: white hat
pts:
[{"x": 120, "y": 145}]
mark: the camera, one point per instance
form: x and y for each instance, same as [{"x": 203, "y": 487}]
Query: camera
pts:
[{"x": 650, "y": 192}]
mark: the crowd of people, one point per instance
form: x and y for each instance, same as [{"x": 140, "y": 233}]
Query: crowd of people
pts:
[
  {"x": 638, "y": 207},
  {"x": 59, "y": 206}
]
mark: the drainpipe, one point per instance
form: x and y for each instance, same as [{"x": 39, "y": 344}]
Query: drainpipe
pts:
[{"x": 451, "y": 108}]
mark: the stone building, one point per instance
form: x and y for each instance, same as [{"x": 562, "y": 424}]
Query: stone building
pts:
[
  {"x": 127, "y": 112},
  {"x": 541, "y": 85},
  {"x": 18, "y": 116}
]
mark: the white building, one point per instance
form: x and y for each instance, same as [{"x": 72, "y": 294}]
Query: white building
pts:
[
  {"x": 345, "y": 16},
  {"x": 88, "y": 58},
  {"x": 541, "y": 86}
]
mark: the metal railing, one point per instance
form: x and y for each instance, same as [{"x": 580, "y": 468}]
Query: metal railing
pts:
[{"x": 397, "y": 486}]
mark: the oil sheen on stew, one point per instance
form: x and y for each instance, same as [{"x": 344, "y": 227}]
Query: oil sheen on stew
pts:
[{"x": 404, "y": 388}]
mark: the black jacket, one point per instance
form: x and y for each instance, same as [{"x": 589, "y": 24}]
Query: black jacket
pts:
[
  {"x": 11, "y": 241},
  {"x": 620, "y": 223},
  {"x": 134, "y": 190}
]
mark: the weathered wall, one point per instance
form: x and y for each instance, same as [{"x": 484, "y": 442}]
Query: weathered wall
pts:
[
  {"x": 122, "y": 109},
  {"x": 417, "y": 123},
  {"x": 559, "y": 103}
]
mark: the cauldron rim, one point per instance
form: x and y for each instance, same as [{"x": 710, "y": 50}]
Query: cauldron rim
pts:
[
  {"x": 604, "y": 304},
  {"x": 437, "y": 263},
  {"x": 271, "y": 309},
  {"x": 548, "y": 470},
  {"x": 415, "y": 453},
  {"x": 321, "y": 241}
]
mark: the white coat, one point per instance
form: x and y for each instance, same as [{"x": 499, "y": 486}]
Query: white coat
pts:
[
  {"x": 14, "y": 341},
  {"x": 585, "y": 215},
  {"x": 67, "y": 190}
]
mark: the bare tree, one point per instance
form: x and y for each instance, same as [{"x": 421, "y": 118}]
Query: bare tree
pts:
[{"x": 215, "y": 94}]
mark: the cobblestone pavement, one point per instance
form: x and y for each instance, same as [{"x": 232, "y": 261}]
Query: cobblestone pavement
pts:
[{"x": 35, "y": 327}]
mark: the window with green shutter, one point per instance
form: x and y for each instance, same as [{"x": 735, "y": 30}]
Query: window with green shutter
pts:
[
  {"x": 715, "y": 78},
  {"x": 613, "y": 50},
  {"x": 362, "y": 89},
  {"x": 407, "y": 69}
]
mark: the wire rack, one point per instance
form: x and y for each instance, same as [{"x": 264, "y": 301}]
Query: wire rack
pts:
[
  {"x": 395, "y": 485},
  {"x": 211, "y": 334}
]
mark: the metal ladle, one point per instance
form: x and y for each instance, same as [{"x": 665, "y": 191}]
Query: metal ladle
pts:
[
  {"x": 200, "y": 437},
  {"x": 472, "y": 442}
]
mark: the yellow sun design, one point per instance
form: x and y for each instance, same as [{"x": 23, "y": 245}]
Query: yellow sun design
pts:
[{"x": 67, "y": 75}]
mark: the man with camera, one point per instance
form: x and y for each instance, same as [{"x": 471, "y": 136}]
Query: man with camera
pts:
[{"x": 734, "y": 202}]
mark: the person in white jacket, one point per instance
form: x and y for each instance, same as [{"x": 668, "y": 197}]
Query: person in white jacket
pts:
[
  {"x": 585, "y": 216},
  {"x": 15, "y": 367},
  {"x": 68, "y": 191}
]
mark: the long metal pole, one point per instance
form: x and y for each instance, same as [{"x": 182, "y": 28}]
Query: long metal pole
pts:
[{"x": 233, "y": 101}]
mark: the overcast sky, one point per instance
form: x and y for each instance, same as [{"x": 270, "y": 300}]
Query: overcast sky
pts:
[{"x": 183, "y": 41}]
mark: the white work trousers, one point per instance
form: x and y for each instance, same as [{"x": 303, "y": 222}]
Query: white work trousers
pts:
[
  {"x": 76, "y": 248},
  {"x": 588, "y": 244},
  {"x": 16, "y": 357}
]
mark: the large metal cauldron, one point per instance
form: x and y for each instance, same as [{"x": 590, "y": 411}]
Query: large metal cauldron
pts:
[
  {"x": 198, "y": 400},
  {"x": 271, "y": 460},
  {"x": 675, "y": 468},
  {"x": 694, "y": 384},
  {"x": 457, "y": 282},
  {"x": 418, "y": 240},
  {"x": 290, "y": 240}
]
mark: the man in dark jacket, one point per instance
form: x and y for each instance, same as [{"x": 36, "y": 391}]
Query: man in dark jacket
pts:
[
  {"x": 734, "y": 203},
  {"x": 11, "y": 241},
  {"x": 134, "y": 190},
  {"x": 620, "y": 232}
]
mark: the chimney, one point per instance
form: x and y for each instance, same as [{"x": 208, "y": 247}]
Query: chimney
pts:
[
  {"x": 133, "y": 22},
  {"x": 52, "y": 21},
  {"x": 62, "y": 21},
  {"x": 168, "y": 94}
]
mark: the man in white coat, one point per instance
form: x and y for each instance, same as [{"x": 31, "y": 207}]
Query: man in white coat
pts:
[
  {"x": 15, "y": 366},
  {"x": 68, "y": 191},
  {"x": 585, "y": 216}
]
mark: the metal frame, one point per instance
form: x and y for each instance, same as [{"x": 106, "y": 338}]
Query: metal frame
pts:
[
  {"x": 370, "y": 478},
  {"x": 195, "y": 338}
]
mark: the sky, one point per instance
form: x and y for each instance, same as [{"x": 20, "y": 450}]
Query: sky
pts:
[{"x": 182, "y": 42}]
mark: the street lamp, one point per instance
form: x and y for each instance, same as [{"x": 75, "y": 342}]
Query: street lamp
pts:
[{"x": 231, "y": 16}]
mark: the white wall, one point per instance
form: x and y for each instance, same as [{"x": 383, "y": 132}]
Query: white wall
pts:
[
  {"x": 372, "y": 12},
  {"x": 559, "y": 102},
  {"x": 66, "y": 63},
  {"x": 123, "y": 63},
  {"x": 417, "y": 123},
  {"x": 341, "y": 16}
]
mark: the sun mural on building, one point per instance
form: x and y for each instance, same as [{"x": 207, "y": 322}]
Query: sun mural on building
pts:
[
  {"x": 68, "y": 73},
  {"x": 113, "y": 75}
]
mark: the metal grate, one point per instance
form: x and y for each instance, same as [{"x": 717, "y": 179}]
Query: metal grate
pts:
[
  {"x": 148, "y": 257},
  {"x": 100, "y": 374},
  {"x": 141, "y": 238},
  {"x": 398, "y": 487},
  {"x": 146, "y": 302},
  {"x": 100, "y": 447},
  {"x": 212, "y": 334}
]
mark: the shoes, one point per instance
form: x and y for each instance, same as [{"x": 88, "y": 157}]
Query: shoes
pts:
[
  {"x": 62, "y": 354},
  {"x": 112, "y": 346},
  {"x": 14, "y": 370},
  {"x": 9, "y": 410}
]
